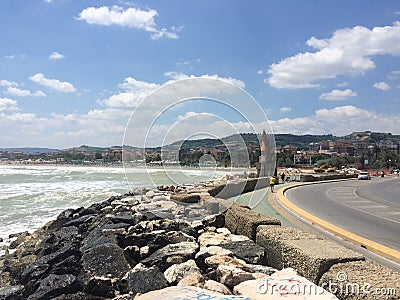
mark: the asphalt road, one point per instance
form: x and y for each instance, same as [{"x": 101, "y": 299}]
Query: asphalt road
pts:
[{"x": 369, "y": 208}]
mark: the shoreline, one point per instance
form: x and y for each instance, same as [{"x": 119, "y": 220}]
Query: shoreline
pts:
[
  {"x": 123, "y": 166},
  {"x": 213, "y": 247}
]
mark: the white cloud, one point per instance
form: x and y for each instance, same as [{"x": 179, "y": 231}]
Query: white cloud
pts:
[
  {"x": 381, "y": 86},
  {"x": 55, "y": 55},
  {"x": 285, "y": 109},
  {"x": 348, "y": 51},
  {"x": 181, "y": 76},
  {"x": 337, "y": 120},
  {"x": 124, "y": 100},
  {"x": 338, "y": 95},
  {"x": 260, "y": 72},
  {"x": 4, "y": 82},
  {"x": 54, "y": 84},
  {"x": 7, "y": 105},
  {"x": 305, "y": 125},
  {"x": 22, "y": 117},
  {"x": 24, "y": 93},
  {"x": 343, "y": 84},
  {"x": 135, "y": 91},
  {"x": 129, "y": 17}
]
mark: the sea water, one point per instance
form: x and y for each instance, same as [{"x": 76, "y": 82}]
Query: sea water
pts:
[{"x": 32, "y": 195}]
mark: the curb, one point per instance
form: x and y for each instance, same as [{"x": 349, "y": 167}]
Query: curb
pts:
[{"x": 363, "y": 242}]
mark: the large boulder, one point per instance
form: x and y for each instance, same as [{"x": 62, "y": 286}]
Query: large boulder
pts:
[
  {"x": 231, "y": 276},
  {"x": 172, "y": 254},
  {"x": 142, "y": 279},
  {"x": 284, "y": 284},
  {"x": 184, "y": 292},
  {"x": 106, "y": 260},
  {"x": 56, "y": 285},
  {"x": 241, "y": 246},
  {"x": 178, "y": 271}
]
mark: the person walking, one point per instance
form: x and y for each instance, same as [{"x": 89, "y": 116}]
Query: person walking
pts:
[
  {"x": 283, "y": 177},
  {"x": 272, "y": 183}
]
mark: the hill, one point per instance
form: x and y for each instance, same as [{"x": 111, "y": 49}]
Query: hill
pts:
[{"x": 28, "y": 150}]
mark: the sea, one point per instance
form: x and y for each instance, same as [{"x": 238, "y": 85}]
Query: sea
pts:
[{"x": 32, "y": 195}]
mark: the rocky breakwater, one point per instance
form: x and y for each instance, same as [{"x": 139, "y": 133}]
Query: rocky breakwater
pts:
[{"x": 126, "y": 247}]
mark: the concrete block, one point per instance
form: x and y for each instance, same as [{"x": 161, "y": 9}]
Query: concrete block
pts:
[
  {"x": 361, "y": 280},
  {"x": 272, "y": 237},
  {"x": 241, "y": 220},
  {"x": 310, "y": 255}
]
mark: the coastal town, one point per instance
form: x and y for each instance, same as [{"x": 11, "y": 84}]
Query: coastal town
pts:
[{"x": 363, "y": 150}]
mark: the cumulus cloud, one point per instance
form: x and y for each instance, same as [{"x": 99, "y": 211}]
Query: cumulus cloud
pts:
[
  {"x": 54, "y": 84},
  {"x": 180, "y": 76},
  {"x": 129, "y": 17},
  {"x": 285, "y": 109},
  {"x": 338, "y": 95},
  {"x": 135, "y": 91},
  {"x": 24, "y": 93},
  {"x": 55, "y": 55},
  {"x": 348, "y": 51},
  {"x": 336, "y": 121},
  {"x": 4, "y": 82},
  {"x": 7, "y": 105},
  {"x": 383, "y": 86}
]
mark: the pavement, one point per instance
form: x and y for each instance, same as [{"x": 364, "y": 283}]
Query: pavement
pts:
[{"x": 263, "y": 201}]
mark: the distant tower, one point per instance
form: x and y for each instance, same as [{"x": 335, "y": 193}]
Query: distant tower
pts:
[{"x": 266, "y": 158}]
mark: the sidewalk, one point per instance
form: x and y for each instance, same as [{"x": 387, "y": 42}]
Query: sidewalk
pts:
[{"x": 259, "y": 201}]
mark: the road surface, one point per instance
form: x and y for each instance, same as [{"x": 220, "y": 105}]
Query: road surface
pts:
[{"x": 369, "y": 208}]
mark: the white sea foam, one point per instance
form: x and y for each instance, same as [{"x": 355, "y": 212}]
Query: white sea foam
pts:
[{"x": 30, "y": 196}]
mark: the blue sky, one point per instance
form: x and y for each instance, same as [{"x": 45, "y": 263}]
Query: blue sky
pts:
[{"x": 72, "y": 72}]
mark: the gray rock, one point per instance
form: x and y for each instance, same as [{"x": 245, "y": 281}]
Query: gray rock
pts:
[
  {"x": 207, "y": 252},
  {"x": 97, "y": 237},
  {"x": 105, "y": 260},
  {"x": 231, "y": 276},
  {"x": 176, "y": 272},
  {"x": 142, "y": 279},
  {"x": 10, "y": 292},
  {"x": 241, "y": 246},
  {"x": 172, "y": 254},
  {"x": 184, "y": 292},
  {"x": 100, "y": 286},
  {"x": 186, "y": 198},
  {"x": 215, "y": 286},
  {"x": 78, "y": 296},
  {"x": 192, "y": 279},
  {"x": 260, "y": 269},
  {"x": 20, "y": 238},
  {"x": 79, "y": 221},
  {"x": 55, "y": 285}
]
